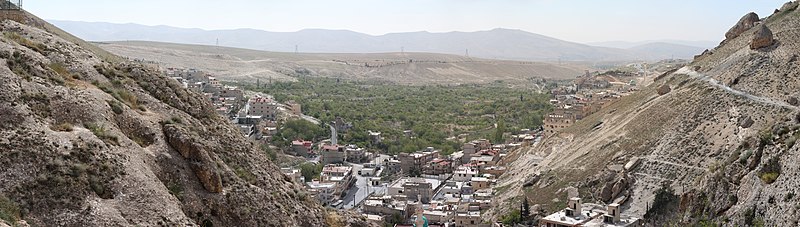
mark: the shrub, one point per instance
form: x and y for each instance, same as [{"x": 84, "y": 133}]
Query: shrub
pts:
[
  {"x": 765, "y": 137},
  {"x": 770, "y": 171},
  {"x": 9, "y": 211},
  {"x": 38, "y": 47},
  {"x": 176, "y": 190},
  {"x": 129, "y": 98},
  {"x": 63, "y": 127},
  {"x": 115, "y": 106},
  {"x": 59, "y": 69},
  {"x": 100, "y": 132},
  {"x": 245, "y": 175},
  {"x": 769, "y": 177},
  {"x": 177, "y": 120},
  {"x": 746, "y": 155},
  {"x": 512, "y": 218}
]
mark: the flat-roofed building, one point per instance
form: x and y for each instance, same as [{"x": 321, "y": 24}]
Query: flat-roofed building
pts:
[{"x": 333, "y": 154}]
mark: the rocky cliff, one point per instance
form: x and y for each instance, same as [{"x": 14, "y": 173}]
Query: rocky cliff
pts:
[
  {"x": 712, "y": 142},
  {"x": 89, "y": 140}
]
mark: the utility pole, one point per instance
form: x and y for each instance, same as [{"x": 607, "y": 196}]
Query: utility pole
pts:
[
  {"x": 402, "y": 50},
  {"x": 295, "y": 49}
]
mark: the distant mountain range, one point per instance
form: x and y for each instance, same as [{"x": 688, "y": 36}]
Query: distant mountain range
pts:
[{"x": 493, "y": 44}]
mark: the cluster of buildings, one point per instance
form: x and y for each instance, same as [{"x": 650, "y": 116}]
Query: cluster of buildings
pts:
[
  {"x": 586, "y": 95},
  {"x": 330, "y": 153},
  {"x": 255, "y": 116},
  {"x": 227, "y": 100},
  {"x": 452, "y": 190}
]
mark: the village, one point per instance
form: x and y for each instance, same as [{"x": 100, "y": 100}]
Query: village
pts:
[{"x": 447, "y": 190}]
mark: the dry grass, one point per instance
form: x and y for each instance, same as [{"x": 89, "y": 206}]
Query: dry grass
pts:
[
  {"x": 63, "y": 127},
  {"x": 38, "y": 47}
]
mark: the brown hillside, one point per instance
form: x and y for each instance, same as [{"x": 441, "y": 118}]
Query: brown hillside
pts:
[
  {"x": 89, "y": 140},
  {"x": 723, "y": 138}
]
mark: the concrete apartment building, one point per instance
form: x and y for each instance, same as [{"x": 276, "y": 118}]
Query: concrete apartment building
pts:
[
  {"x": 294, "y": 107},
  {"x": 438, "y": 166},
  {"x": 415, "y": 161},
  {"x": 341, "y": 176},
  {"x": 325, "y": 192},
  {"x": 301, "y": 148},
  {"x": 413, "y": 189},
  {"x": 262, "y": 106},
  {"x": 559, "y": 119},
  {"x": 471, "y": 148},
  {"x": 332, "y": 154},
  {"x": 465, "y": 174}
]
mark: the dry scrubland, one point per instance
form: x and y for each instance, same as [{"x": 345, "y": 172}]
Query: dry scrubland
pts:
[{"x": 401, "y": 68}]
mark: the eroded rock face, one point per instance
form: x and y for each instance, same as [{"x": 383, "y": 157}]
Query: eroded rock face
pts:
[
  {"x": 746, "y": 22},
  {"x": 182, "y": 140},
  {"x": 762, "y": 37}
]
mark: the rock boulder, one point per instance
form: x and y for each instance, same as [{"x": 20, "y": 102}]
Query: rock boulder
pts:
[
  {"x": 746, "y": 22},
  {"x": 746, "y": 122},
  {"x": 663, "y": 90},
  {"x": 762, "y": 37}
]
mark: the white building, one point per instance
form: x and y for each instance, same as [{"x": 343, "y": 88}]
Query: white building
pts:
[{"x": 464, "y": 174}]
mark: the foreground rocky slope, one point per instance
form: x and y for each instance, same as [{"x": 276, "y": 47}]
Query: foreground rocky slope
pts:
[
  {"x": 715, "y": 140},
  {"x": 89, "y": 141}
]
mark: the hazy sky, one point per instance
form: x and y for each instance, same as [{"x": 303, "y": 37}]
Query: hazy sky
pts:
[{"x": 573, "y": 20}]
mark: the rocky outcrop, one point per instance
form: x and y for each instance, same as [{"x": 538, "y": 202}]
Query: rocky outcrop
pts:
[
  {"x": 187, "y": 144},
  {"x": 745, "y": 23},
  {"x": 664, "y": 89},
  {"x": 89, "y": 140},
  {"x": 762, "y": 37},
  {"x": 789, "y": 6}
]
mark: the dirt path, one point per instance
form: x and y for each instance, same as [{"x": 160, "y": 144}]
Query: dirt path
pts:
[{"x": 714, "y": 82}]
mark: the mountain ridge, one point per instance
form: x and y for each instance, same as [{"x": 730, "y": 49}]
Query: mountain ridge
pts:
[{"x": 498, "y": 43}]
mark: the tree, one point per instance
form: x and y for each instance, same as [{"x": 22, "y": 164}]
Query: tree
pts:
[
  {"x": 310, "y": 170},
  {"x": 512, "y": 218},
  {"x": 498, "y": 133}
]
